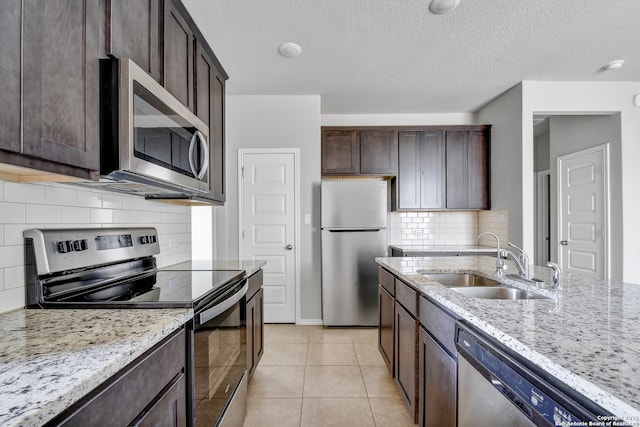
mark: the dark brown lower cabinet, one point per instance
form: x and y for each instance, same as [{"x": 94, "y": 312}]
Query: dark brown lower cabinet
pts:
[
  {"x": 255, "y": 331},
  {"x": 150, "y": 391},
  {"x": 438, "y": 383},
  {"x": 385, "y": 327},
  {"x": 255, "y": 322},
  {"x": 406, "y": 358}
]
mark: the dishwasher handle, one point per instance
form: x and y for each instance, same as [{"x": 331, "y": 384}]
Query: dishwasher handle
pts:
[{"x": 514, "y": 398}]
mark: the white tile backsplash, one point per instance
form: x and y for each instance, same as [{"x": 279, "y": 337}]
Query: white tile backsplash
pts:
[
  {"x": 25, "y": 206},
  {"x": 433, "y": 228}
]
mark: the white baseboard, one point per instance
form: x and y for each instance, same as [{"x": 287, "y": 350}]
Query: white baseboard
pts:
[{"x": 309, "y": 322}]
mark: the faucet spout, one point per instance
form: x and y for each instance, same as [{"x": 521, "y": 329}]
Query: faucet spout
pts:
[{"x": 499, "y": 260}]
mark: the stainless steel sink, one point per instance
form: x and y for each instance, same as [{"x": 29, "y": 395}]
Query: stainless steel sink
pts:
[
  {"x": 497, "y": 292},
  {"x": 460, "y": 280}
]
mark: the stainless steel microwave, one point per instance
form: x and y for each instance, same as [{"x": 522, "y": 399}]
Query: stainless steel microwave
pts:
[{"x": 151, "y": 144}]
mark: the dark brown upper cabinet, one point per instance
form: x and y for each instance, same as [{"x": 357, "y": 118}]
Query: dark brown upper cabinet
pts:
[
  {"x": 443, "y": 168},
  {"x": 134, "y": 30},
  {"x": 178, "y": 54},
  {"x": 209, "y": 90},
  {"x": 359, "y": 151},
  {"x": 467, "y": 170},
  {"x": 10, "y": 52},
  {"x": 60, "y": 85},
  {"x": 420, "y": 183}
]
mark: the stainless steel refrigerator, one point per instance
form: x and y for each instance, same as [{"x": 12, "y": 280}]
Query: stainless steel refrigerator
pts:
[{"x": 354, "y": 232}]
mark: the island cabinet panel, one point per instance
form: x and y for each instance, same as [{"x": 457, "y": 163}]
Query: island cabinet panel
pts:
[
  {"x": 437, "y": 366},
  {"x": 340, "y": 152},
  {"x": 149, "y": 391},
  {"x": 438, "y": 384},
  {"x": 10, "y": 30},
  {"x": 60, "y": 85},
  {"x": 406, "y": 358},
  {"x": 467, "y": 167},
  {"x": 134, "y": 30},
  {"x": 386, "y": 317},
  {"x": 178, "y": 55}
]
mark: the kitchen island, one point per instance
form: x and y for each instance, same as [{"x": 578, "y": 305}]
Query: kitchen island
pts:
[{"x": 587, "y": 335}]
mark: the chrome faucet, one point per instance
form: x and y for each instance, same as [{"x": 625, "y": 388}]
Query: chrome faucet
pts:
[
  {"x": 557, "y": 274},
  {"x": 521, "y": 261},
  {"x": 499, "y": 260}
]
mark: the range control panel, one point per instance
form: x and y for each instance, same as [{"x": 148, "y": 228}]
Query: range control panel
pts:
[{"x": 66, "y": 249}]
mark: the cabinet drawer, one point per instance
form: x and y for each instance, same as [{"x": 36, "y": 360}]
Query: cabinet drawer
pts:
[
  {"x": 387, "y": 281},
  {"x": 407, "y": 296},
  {"x": 439, "y": 324}
]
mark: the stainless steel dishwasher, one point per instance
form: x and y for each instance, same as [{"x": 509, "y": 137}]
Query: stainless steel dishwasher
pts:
[{"x": 496, "y": 388}]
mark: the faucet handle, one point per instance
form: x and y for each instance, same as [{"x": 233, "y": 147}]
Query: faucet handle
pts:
[{"x": 557, "y": 273}]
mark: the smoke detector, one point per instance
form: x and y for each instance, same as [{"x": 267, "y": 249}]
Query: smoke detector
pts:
[
  {"x": 290, "y": 50},
  {"x": 443, "y": 6},
  {"x": 614, "y": 65}
]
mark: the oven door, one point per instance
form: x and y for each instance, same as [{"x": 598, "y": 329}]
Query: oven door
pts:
[{"x": 219, "y": 362}]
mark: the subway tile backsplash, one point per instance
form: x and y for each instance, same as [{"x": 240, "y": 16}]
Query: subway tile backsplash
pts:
[
  {"x": 433, "y": 228},
  {"x": 24, "y": 206},
  {"x": 447, "y": 228}
]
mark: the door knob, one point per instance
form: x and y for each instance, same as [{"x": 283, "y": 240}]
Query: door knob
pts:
[
  {"x": 288, "y": 247},
  {"x": 564, "y": 242}
]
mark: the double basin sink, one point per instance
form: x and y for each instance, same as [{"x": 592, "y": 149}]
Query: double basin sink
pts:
[{"x": 481, "y": 287}]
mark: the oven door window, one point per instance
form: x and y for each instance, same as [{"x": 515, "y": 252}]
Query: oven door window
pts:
[
  {"x": 164, "y": 138},
  {"x": 219, "y": 362}
]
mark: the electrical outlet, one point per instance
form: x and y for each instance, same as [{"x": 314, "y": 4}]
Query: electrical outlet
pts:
[{"x": 418, "y": 232}]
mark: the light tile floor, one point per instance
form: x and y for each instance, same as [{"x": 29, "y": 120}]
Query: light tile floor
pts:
[{"x": 315, "y": 376}]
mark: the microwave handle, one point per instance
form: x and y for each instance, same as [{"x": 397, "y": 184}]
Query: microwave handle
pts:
[{"x": 198, "y": 136}]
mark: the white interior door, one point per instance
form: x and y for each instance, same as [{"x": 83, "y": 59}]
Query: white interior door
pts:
[
  {"x": 267, "y": 227},
  {"x": 583, "y": 201}
]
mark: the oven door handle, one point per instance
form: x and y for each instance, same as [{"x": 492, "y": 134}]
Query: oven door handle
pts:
[{"x": 218, "y": 309}]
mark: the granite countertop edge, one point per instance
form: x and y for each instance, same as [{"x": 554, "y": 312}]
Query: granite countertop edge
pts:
[{"x": 479, "y": 315}]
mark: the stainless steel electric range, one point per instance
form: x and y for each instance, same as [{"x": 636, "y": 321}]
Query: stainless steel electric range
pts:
[{"x": 116, "y": 268}]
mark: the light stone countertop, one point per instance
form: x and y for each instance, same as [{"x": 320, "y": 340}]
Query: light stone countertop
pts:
[
  {"x": 51, "y": 358},
  {"x": 444, "y": 248},
  {"x": 588, "y": 336}
]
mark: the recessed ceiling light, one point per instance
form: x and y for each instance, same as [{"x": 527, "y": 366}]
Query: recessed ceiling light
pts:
[
  {"x": 443, "y": 6},
  {"x": 290, "y": 49},
  {"x": 614, "y": 65}
]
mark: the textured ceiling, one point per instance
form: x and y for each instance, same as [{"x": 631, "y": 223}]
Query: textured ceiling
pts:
[{"x": 393, "y": 56}]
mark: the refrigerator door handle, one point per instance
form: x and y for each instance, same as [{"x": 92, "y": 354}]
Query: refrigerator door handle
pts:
[{"x": 349, "y": 230}]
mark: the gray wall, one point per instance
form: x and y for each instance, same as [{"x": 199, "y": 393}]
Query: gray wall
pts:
[
  {"x": 505, "y": 114},
  {"x": 542, "y": 158},
  {"x": 277, "y": 122},
  {"x": 569, "y": 134}
]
